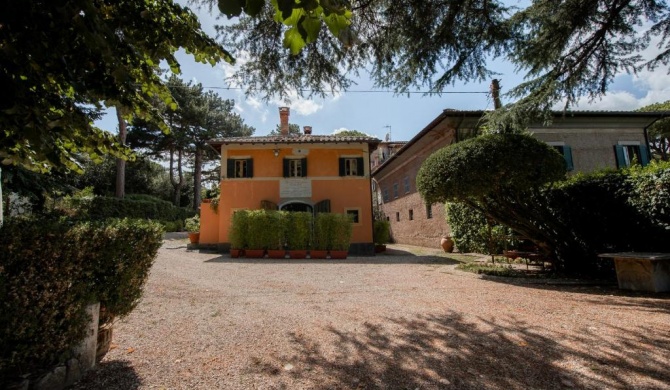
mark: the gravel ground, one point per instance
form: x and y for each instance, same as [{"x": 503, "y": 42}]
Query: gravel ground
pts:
[{"x": 398, "y": 321}]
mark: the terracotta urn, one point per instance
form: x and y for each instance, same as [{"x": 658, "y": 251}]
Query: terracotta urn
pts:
[{"x": 447, "y": 243}]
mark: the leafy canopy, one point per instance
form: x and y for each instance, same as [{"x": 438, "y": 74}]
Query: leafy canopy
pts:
[
  {"x": 567, "y": 48},
  {"x": 62, "y": 61}
]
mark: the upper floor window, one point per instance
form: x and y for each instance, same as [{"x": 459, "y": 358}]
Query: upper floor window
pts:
[
  {"x": 429, "y": 211},
  {"x": 240, "y": 168},
  {"x": 395, "y": 190},
  {"x": 565, "y": 151},
  {"x": 385, "y": 194},
  {"x": 295, "y": 167},
  {"x": 406, "y": 184},
  {"x": 628, "y": 153},
  {"x": 352, "y": 166}
]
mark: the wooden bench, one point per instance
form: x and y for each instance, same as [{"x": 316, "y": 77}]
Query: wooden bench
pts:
[{"x": 641, "y": 271}]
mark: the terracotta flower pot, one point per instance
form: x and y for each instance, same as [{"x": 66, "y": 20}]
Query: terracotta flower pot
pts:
[
  {"x": 254, "y": 253},
  {"x": 297, "y": 254},
  {"x": 447, "y": 243},
  {"x": 235, "y": 253},
  {"x": 318, "y": 254},
  {"x": 194, "y": 237},
  {"x": 276, "y": 253},
  {"x": 338, "y": 254},
  {"x": 380, "y": 248}
]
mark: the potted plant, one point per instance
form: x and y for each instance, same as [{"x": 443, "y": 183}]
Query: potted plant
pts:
[
  {"x": 256, "y": 232},
  {"x": 299, "y": 234},
  {"x": 192, "y": 226},
  {"x": 238, "y": 233},
  {"x": 381, "y": 235},
  {"x": 342, "y": 230},
  {"x": 323, "y": 233},
  {"x": 276, "y": 234}
]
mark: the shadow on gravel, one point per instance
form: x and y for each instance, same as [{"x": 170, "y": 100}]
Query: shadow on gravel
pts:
[
  {"x": 110, "y": 375},
  {"x": 351, "y": 260},
  {"x": 451, "y": 352}
]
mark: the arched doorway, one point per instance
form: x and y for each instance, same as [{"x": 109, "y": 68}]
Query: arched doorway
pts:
[{"x": 296, "y": 206}]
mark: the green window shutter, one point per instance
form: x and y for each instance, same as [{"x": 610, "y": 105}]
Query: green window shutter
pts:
[
  {"x": 620, "y": 159},
  {"x": 359, "y": 166},
  {"x": 304, "y": 167},
  {"x": 342, "y": 167},
  {"x": 230, "y": 165},
  {"x": 567, "y": 155},
  {"x": 644, "y": 155},
  {"x": 250, "y": 167},
  {"x": 287, "y": 166}
]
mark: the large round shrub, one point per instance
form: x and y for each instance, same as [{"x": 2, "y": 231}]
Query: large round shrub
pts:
[{"x": 480, "y": 166}]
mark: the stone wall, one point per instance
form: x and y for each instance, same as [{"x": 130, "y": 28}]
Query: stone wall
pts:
[{"x": 73, "y": 370}]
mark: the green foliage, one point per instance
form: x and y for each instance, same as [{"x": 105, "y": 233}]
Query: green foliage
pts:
[
  {"x": 239, "y": 230},
  {"x": 172, "y": 226},
  {"x": 293, "y": 129},
  {"x": 651, "y": 192},
  {"x": 489, "y": 269},
  {"x": 192, "y": 225},
  {"x": 486, "y": 165},
  {"x": 101, "y": 207},
  {"x": 381, "y": 233},
  {"x": 276, "y": 229},
  {"x": 299, "y": 230},
  {"x": 351, "y": 133},
  {"x": 567, "y": 49},
  {"x": 473, "y": 232},
  {"x": 332, "y": 231},
  {"x": 100, "y": 53},
  {"x": 258, "y": 234},
  {"x": 659, "y": 132},
  {"x": 49, "y": 271}
]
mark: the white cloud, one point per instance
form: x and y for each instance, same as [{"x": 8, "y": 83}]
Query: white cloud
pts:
[
  {"x": 254, "y": 103},
  {"x": 298, "y": 104}
]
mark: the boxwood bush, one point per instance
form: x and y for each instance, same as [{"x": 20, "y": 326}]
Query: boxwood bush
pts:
[
  {"x": 381, "y": 232},
  {"x": 51, "y": 269},
  {"x": 132, "y": 206}
]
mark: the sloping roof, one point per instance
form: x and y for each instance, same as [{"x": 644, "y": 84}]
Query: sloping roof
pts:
[
  {"x": 292, "y": 139},
  {"x": 479, "y": 113}
]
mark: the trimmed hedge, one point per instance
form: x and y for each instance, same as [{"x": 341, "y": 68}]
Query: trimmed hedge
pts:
[
  {"x": 472, "y": 232},
  {"x": 50, "y": 270},
  {"x": 381, "y": 233},
  {"x": 132, "y": 206}
]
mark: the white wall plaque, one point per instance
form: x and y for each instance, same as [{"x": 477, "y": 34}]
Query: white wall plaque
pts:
[{"x": 295, "y": 188}]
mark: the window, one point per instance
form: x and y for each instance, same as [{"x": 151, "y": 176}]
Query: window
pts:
[
  {"x": 240, "y": 168},
  {"x": 352, "y": 166},
  {"x": 566, "y": 152},
  {"x": 395, "y": 190},
  {"x": 295, "y": 167},
  {"x": 628, "y": 153},
  {"x": 354, "y": 214},
  {"x": 397, "y": 216},
  {"x": 406, "y": 183},
  {"x": 385, "y": 194},
  {"x": 429, "y": 211},
  {"x": 411, "y": 215},
  {"x": 388, "y": 218}
]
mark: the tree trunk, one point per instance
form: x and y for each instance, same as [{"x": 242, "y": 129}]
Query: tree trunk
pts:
[
  {"x": 176, "y": 184},
  {"x": 121, "y": 163},
  {"x": 197, "y": 177}
]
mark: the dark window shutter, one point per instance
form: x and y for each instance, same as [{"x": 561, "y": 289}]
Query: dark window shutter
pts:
[
  {"x": 268, "y": 205},
  {"x": 322, "y": 207},
  {"x": 231, "y": 168},
  {"x": 287, "y": 166},
  {"x": 644, "y": 155},
  {"x": 567, "y": 154},
  {"x": 304, "y": 167},
  {"x": 359, "y": 166},
  {"x": 342, "y": 167},
  {"x": 250, "y": 167},
  {"x": 620, "y": 159}
]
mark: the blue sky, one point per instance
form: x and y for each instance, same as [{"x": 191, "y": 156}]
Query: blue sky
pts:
[{"x": 406, "y": 115}]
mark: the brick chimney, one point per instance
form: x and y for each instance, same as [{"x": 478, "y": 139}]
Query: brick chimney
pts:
[
  {"x": 283, "y": 120},
  {"x": 308, "y": 130}
]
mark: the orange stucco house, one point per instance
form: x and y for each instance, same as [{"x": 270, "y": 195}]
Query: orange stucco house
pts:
[{"x": 305, "y": 172}]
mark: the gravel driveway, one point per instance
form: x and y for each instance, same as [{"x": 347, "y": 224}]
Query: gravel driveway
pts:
[{"x": 393, "y": 322}]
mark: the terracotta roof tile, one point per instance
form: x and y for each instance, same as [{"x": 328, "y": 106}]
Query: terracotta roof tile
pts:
[{"x": 293, "y": 139}]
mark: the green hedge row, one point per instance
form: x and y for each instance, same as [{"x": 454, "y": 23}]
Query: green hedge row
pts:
[
  {"x": 268, "y": 229},
  {"x": 51, "y": 269},
  {"x": 132, "y": 206}
]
